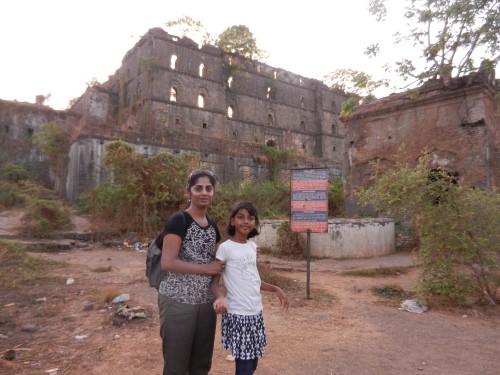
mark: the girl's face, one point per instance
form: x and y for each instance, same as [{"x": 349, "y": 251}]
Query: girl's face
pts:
[
  {"x": 202, "y": 192},
  {"x": 243, "y": 222}
]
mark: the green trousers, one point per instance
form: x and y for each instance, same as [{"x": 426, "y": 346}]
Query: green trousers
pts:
[{"x": 187, "y": 332}]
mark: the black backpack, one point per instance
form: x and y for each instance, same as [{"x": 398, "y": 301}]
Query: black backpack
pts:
[{"x": 154, "y": 273}]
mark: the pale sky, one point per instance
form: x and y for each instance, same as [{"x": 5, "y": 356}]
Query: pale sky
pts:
[{"x": 57, "y": 46}]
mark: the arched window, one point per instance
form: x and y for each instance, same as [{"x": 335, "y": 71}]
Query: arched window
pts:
[
  {"x": 229, "y": 81},
  {"x": 202, "y": 70},
  {"x": 268, "y": 92},
  {"x": 334, "y": 128},
  {"x": 201, "y": 100},
  {"x": 173, "y": 94},
  {"x": 303, "y": 125},
  {"x": 270, "y": 119},
  {"x": 230, "y": 111},
  {"x": 302, "y": 101},
  {"x": 173, "y": 62}
]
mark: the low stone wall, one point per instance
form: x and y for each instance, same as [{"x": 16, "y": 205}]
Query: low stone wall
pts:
[{"x": 346, "y": 238}]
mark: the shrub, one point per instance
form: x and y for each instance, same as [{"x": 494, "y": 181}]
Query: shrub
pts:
[
  {"x": 13, "y": 173},
  {"x": 10, "y": 195},
  {"x": 43, "y": 218},
  {"x": 336, "y": 206},
  {"x": 290, "y": 244}
]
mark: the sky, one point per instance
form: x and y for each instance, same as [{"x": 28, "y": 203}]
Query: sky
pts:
[{"x": 56, "y": 47}]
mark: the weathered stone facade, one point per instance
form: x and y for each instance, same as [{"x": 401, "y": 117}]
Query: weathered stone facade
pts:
[
  {"x": 458, "y": 126},
  {"x": 153, "y": 102}
]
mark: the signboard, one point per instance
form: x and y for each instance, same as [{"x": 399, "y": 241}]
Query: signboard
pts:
[{"x": 309, "y": 200}]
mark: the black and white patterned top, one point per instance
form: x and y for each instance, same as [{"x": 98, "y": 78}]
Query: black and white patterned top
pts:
[{"x": 198, "y": 246}]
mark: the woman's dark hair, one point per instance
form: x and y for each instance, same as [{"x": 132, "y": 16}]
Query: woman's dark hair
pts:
[
  {"x": 195, "y": 175},
  {"x": 231, "y": 230}
]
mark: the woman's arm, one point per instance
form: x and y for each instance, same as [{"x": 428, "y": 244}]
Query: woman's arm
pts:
[
  {"x": 170, "y": 259},
  {"x": 273, "y": 288}
]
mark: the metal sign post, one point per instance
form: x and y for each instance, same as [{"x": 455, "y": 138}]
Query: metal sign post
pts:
[{"x": 309, "y": 207}]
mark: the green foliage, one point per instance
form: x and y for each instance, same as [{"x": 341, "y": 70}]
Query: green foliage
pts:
[
  {"x": 376, "y": 272},
  {"x": 239, "y": 39},
  {"x": 451, "y": 33},
  {"x": 144, "y": 191},
  {"x": 290, "y": 244},
  {"x": 348, "y": 106},
  {"x": 336, "y": 207},
  {"x": 354, "y": 81},
  {"x": 13, "y": 172},
  {"x": 19, "y": 268},
  {"x": 10, "y": 195},
  {"x": 276, "y": 158},
  {"x": 194, "y": 29},
  {"x": 271, "y": 200},
  {"x": 44, "y": 217},
  {"x": 457, "y": 227}
]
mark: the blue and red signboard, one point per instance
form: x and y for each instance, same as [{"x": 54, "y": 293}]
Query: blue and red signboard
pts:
[{"x": 309, "y": 200}]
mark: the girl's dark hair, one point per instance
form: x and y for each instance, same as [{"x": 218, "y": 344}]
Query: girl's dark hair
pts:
[
  {"x": 195, "y": 175},
  {"x": 231, "y": 230}
]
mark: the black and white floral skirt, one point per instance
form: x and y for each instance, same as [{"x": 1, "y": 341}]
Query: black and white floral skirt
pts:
[{"x": 244, "y": 335}]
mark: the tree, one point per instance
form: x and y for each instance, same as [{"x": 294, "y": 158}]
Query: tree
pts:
[
  {"x": 457, "y": 226},
  {"x": 54, "y": 141},
  {"x": 452, "y": 33},
  {"x": 240, "y": 40},
  {"x": 194, "y": 29}
]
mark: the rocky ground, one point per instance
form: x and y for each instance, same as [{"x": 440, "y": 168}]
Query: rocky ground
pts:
[{"x": 63, "y": 327}]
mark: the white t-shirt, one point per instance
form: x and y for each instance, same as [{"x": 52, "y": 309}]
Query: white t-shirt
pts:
[{"x": 241, "y": 277}]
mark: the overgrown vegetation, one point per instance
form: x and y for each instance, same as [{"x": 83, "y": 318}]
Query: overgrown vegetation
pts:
[
  {"x": 17, "y": 267},
  {"x": 276, "y": 157},
  {"x": 336, "y": 206},
  {"x": 290, "y": 244},
  {"x": 457, "y": 227}
]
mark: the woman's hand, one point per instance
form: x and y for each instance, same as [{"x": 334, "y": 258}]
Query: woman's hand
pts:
[
  {"x": 220, "y": 305},
  {"x": 215, "y": 267}
]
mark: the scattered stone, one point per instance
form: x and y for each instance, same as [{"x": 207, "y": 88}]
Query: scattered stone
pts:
[
  {"x": 10, "y": 355},
  {"x": 28, "y": 328},
  {"x": 52, "y": 371},
  {"x": 41, "y": 300},
  {"x": 80, "y": 337},
  {"x": 88, "y": 306},
  {"x": 70, "y": 281},
  {"x": 2, "y": 336}
]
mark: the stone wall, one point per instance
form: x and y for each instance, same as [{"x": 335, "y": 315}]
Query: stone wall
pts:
[
  {"x": 456, "y": 126},
  {"x": 346, "y": 238}
]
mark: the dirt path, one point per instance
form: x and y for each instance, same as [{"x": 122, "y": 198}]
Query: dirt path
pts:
[{"x": 356, "y": 333}]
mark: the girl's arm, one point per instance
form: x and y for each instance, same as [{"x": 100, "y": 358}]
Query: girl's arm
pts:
[
  {"x": 171, "y": 262},
  {"x": 219, "y": 304},
  {"x": 273, "y": 288}
]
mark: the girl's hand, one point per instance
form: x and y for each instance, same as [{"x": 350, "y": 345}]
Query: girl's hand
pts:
[
  {"x": 215, "y": 267},
  {"x": 283, "y": 298},
  {"x": 220, "y": 305}
]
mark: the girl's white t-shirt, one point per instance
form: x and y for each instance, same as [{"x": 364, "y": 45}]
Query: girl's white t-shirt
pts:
[{"x": 241, "y": 277}]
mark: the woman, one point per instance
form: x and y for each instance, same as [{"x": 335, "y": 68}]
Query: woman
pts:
[{"x": 187, "y": 320}]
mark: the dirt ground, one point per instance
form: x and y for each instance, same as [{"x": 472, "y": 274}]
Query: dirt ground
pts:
[{"x": 343, "y": 329}]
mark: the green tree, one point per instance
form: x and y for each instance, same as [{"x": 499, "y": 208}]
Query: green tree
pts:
[
  {"x": 353, "y": 81},
  {"x": 457, "y": 228},
  {"x": 239, "y": 39},
  {"x": 191, "y": 28},
  {"x": 457, "y": 37},
  {"x": 54, "y": 141}
]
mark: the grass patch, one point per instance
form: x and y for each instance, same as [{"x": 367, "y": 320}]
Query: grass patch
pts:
[
  {"x": 17, "y": 267},
  {"x": 376, "y": 272},
  {"x": 105, "y": 295},
  {"x": 102, "y": 269},
  {"x": 268, "y": 275}
]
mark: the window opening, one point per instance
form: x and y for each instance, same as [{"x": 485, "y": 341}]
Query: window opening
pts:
[
  {"x": 205, "y": 125},
  {"x": 30, "y": 131},
  {"x": 270, "y": 119},
  {"x": 6, "y": 128},
  {"x": 202, "y": 70},
  {"x": 302, "y": 124},
  {"x": 177, "y": 121},
  {"x": 173, "y": 62},
  {"x": 230, "y": 111},
  {"x": 275, "y": 74},
  {"x": 302, "y": 101},
  {"x": 201, "y": 101},
  {"x": 173, "y": 94},
  {"x": 229, "y": 81},
  {"x": 268, "y": 92}
]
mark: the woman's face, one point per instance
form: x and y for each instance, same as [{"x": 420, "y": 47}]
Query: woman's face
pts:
[{"x": 202, "y": 192}]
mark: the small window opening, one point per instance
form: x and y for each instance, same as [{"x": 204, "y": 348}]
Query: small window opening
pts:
[
  {"x": 389, "y": 138},
  {"x": 271, "y": 143},
  {"x": 270, "y": 119},
  {"x": 230, "y": 111},
  {"x": 334, "y": 149},
  {"x": 268, "y": 92},
  {"x": 234, "y": 134},
  {"x": 229, "y": 81},
  {"x": 334, "y": 105},
  {"x": 173, "y": 94},
  {"x": 177, "y": 120},
  {"x": 259, "y": 68},
  {"x": 202, "y": 70},
  {"x": 205, "y": 125},
  {"x": 300, "y": 81},
  {"x": 201, "y": 101},
  {"x": 334, "y": 128},
  {"x": 302, "y": 124},
  {"x": 303, "y": 146},
  {"x": 30, "y": 131},
  {"x": 6, "y": 128},
  {"x": 173, "y": 62},
  {"x": 302, "y": 101},
  {"x": 275, "y": 74}
]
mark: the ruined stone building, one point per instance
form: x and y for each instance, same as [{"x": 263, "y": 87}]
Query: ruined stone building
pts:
[{"x": 170, "y": 95}]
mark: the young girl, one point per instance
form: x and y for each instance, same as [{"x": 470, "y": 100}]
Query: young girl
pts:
[{"x": 243, "y": 330}]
